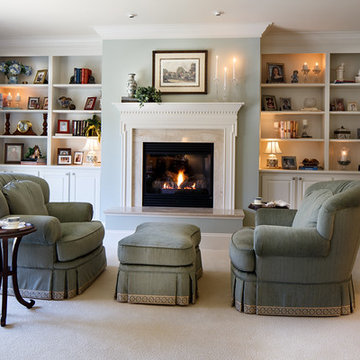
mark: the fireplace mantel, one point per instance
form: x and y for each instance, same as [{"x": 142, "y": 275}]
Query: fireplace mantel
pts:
[{"x": 179, "y": 122}]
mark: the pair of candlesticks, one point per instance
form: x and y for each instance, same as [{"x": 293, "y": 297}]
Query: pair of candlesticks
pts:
[
  {"x": 224, "y": 85},
  {"x": 305, "y": 70}
]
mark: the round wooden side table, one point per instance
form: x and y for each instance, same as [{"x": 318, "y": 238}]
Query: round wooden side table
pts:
[{"x": 6, "y": 270}]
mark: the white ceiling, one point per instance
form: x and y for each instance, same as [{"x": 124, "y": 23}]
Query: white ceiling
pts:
[{"x": 79, "y": 18}]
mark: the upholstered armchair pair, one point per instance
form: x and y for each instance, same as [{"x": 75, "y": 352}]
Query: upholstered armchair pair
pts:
[
  {"x": 299, "y": 263},
  {"x": 65, "y": 255}
]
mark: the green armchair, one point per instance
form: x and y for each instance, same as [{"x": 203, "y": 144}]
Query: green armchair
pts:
[
  {"x": 65, "y": 255},
  {"x": 299, "y": 263}
]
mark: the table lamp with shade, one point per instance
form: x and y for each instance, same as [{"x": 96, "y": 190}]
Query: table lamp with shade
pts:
[
  {"x": 272, "y": 148},
  {"x": 91, "y": 146}
]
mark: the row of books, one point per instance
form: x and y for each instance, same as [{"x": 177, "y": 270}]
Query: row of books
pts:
[
  {"x": 81, "y": 75},
  {"x": 288, "y": 129},
  {"x": 78, "y": 129}
]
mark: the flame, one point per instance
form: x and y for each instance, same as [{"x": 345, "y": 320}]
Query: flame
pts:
[
  {"x": 180, "y": 178},
  {"x": 193, "y": 185}
]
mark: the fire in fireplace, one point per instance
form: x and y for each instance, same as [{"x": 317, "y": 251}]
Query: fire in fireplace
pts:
[{"x": 178, "y": 174}]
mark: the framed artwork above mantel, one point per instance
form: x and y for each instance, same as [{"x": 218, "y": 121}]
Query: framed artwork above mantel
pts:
[{"x": 180, "y": 72}]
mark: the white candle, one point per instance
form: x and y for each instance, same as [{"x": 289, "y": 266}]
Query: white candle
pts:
[
  {"x": 17, "y": 98},
  {"x": 344, "y": 155},
  {"x": 216, "y": 67},
  {"x": 305, "y": 122},
  {"x": 225, "y": 74},
  {"x": 305, "y": 66},
  {"x": 9, "y": 97},
  {"x": 234, "y": 75},
  {"x": 317, "y": 66}
]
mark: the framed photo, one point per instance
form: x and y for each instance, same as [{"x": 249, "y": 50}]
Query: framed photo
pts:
[
  {"x": 90, "y": 103},
  {"x": 339, "y": 104},
  {"x": 288, "y": 162},
  {"x": 269, "y": 103},
  {"x": 13, "y": 153},
  {"x": 64, "y": 151},
  {"x": 275, "y": 73},
  {"x": 40, "y": 77},
  {"x": 33, "y": 103},
  {"x": 285, "y": 104},
  {"x": 352, "y": 106},
  {"x": 180, "y": 72},
  {"x": 63, "y": 126},
  {"x": 64, "y": 160},
  {"x": 46, "y": 103},
  {"x": 78, "y": 157}
]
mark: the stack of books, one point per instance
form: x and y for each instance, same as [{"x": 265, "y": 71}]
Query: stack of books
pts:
[
  {"x": 81, "y": 75},
  {"x": 78, "y": 127},
  {"x": 288, "y": 129}
]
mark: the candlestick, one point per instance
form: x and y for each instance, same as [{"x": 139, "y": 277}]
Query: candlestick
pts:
[
  {"x": 225, "y": 75},
  {"x": 9, "y": 97},
  {"x": 17, "y": 99},
  {"x": 216, "y": 67},
  {"x": 317, "y": 66},
  {"x": 305, "y": 66},
  {"x": 234, "y": 75}
]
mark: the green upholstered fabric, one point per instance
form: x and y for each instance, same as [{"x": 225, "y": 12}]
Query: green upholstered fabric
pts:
[
  {"x": 303, "y": 271},
  {"x": 4, "y": 207},
  {"x": 78, "y": 239},
  {"x": 25, "y": 197},
  {"x": 271, "y": 216},
  {"x": 242, "y": 252},
  {"x": 307, "y": 215},
  {"x": 71, "y": 211}
]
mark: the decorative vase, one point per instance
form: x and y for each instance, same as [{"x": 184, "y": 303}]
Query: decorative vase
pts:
[
  {"x": 131, "y": 85},
  {"x": 12, "y": 79}
]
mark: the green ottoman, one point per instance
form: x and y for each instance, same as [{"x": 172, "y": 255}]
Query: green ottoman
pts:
[{"x": 159, "y": 264}]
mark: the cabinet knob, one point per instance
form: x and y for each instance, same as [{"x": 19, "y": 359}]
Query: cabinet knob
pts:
[
  {"x": 294, "y": 178},
  {"x": 300, "y": 178},
  {"x": 73, "y": 174}
]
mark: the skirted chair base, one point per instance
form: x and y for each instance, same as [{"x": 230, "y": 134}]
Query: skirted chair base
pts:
[{"x": 65, "y": 280}]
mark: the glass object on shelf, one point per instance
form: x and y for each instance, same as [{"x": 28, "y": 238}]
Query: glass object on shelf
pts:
[
  {"x": 305, "y": 129},
  {"x": 17, "y": 100},
  {"x": 344, "y": 158},
  {"x": 305, "y": 70},
  {"x": 310, "y": 104},
  {"x": 272, "y": 148},
  {"x": 317, "y": 71},
  {"x": 91, "y": 146}
]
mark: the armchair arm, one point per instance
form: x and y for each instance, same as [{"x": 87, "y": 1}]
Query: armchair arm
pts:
[
  {"x": 286, "y": 241},
  {"x": 271, "y": 216},
  {"x": 71, "y": 211},
  {"x": 47, "y": 232}
]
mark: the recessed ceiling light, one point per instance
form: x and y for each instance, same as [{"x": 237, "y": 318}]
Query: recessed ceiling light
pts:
[
  {"x": 131, "y": 16},
  {"x": 218, "y": 13}
]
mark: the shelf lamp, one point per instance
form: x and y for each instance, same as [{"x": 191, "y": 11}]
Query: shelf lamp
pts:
[
  {"x": 91, "y": 147},
  {"x": 272, "y": 148}
]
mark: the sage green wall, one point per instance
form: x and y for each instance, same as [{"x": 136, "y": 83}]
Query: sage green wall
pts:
[{"x": 121, "y": 57}]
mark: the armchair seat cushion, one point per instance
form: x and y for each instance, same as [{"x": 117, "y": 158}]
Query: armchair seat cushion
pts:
[
  {"x": 79, "y": 239},
  {"x": 242, "y": 252}
]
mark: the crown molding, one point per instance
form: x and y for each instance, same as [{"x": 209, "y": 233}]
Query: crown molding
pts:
[
  {"x": 182, "y": 31},
  {"x": 42, "y": 46}
]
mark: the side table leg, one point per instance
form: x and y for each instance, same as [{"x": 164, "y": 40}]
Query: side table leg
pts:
[
  {"x": 5, "y": 270},
  {"x": 18, "y": 296}
]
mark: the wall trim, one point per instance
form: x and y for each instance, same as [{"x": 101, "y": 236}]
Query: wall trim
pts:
[{"x": 182, "y": 31}]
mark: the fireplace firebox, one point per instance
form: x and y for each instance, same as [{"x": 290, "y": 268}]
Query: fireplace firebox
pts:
[{"x": 178, "y": 174}]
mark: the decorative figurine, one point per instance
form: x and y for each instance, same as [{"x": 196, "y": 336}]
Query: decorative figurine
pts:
[
  {"x": 131, "y": 85},
  {"x": 294, "y": 76},
  {"x": 340, "y": 72}
]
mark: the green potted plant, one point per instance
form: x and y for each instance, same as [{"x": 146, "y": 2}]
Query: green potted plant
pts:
[
  {"x": 147, "y": 94},
  {"x": 93, "y": 127}
]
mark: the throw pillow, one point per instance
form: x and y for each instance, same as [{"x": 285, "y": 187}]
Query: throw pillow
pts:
[
  {"x": 307, "y": 215},
  {"x": 25, "y": 197}
]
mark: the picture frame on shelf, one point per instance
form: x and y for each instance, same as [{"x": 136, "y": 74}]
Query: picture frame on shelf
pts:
[
  {"x": 45, "y": 103},
  {"x": 78, "y": 157},
  {"x": 63, "y": 126},
  {"x": 40, "y": 76},
  {"x": 64, "y": 160},
  {"x": 289, "y": 162},
  {"x": 180, "y": 71},
  {"x": 285, "y": 104},
  {"x": 352, "y": 106},
  {"x": 275, "y": 73},
  {"x": 339, "y": 104},
  {"x": 269, "y": 103},
  {"x": 90, "y": 103},
  {"x": 33, "y": 103},
  {"x": 13, "y": 153},
  {"x": 64, "y": 151}
]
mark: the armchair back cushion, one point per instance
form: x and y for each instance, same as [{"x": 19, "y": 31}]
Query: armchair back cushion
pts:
[
  {"x": 25, "y": 197},
  {"x": 307, "y": 215}
]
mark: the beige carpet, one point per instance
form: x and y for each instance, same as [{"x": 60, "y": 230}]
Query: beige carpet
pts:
[{"x": 95, "y": 326}]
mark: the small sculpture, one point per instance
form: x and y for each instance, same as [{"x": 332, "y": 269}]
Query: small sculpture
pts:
[
  {"x": 65, "y": 102},
  {"x": 294, "y": 76},
  {"x": 340, "y": 72}
]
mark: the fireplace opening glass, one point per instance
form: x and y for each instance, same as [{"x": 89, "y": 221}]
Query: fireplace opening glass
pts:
[{"x": 178, "y": 174}]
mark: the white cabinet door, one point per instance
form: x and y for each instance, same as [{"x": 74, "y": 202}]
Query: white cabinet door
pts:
[{"x": 59, "y": 183}]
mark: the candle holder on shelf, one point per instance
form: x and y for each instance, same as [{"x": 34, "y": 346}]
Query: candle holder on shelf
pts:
[
  {"x": 305, "y": 126},
  {"x": 344, "y": 159},
  {"x": 316, "y": 71},
  {"x": 305, "y": 70}
]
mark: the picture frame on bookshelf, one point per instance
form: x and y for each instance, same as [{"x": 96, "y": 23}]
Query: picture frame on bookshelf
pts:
[
  {"x": 40, "y": 76},
  {"x": 339, "y": 104},
  {"x": 352, "y": 106},
  {"x": 64, "y": 160},
  {"x": 275, "y": 73},
  {"x": 63, "y": 126},
  {"x": 45, "y": 103},
  {"x": 269, "y": 103},
  {"x": 90, "y": 103},
  {"x": 285, "y": 104},
  {"x": 78, "y": 157},
  {"x": 191, "y": 79},
  {"x": 13, "y": 153},
  {"x": 289, "y": 162},
  {"x": 33, "y": 103}
]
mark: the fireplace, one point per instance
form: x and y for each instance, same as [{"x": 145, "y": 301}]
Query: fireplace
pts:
[{"x": 178, "y": 174}]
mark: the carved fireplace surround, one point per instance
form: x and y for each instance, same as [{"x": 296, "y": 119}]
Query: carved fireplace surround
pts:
[{"x": 179, "y": 122}]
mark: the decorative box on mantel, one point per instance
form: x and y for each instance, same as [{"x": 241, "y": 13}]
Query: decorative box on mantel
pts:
[{"x": 179, "y": 122}]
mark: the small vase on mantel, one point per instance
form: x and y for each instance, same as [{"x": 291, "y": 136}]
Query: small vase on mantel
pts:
[
  {"x": 12, "y": 79},
  {"x": 131, "y": 85}
]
